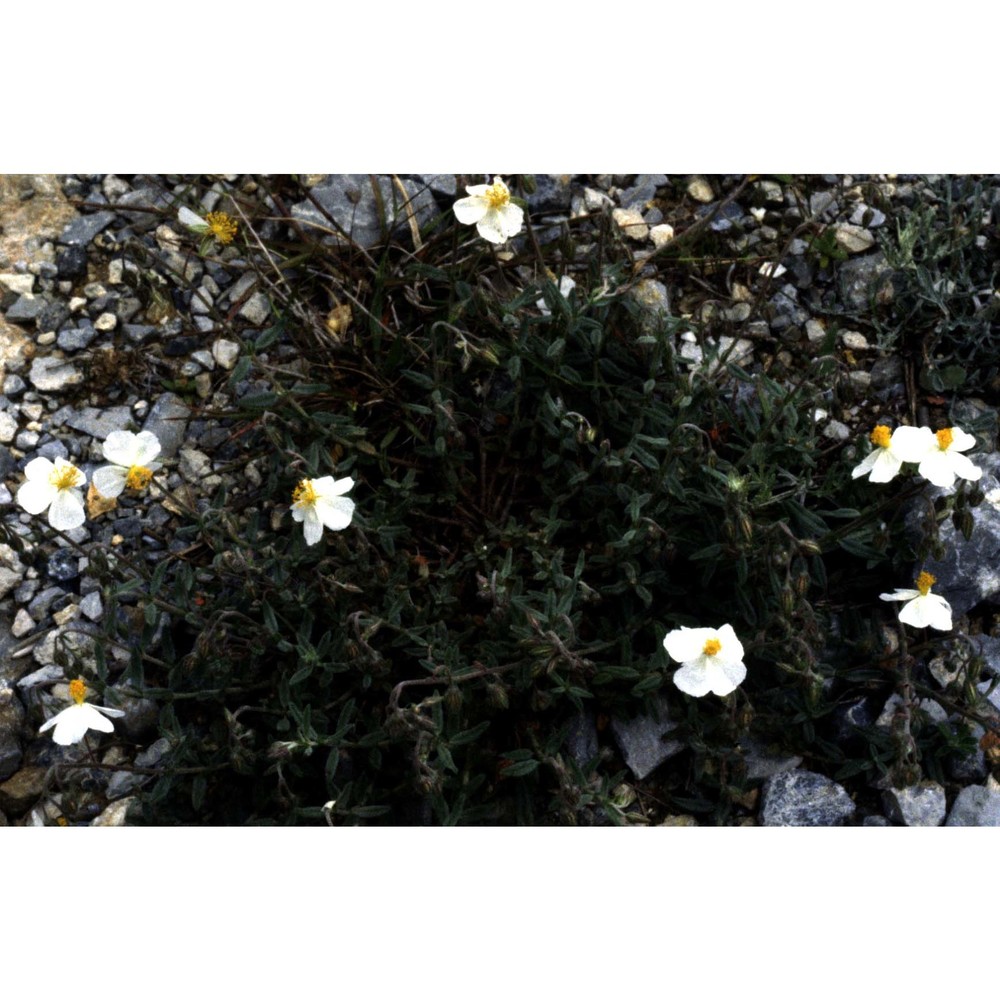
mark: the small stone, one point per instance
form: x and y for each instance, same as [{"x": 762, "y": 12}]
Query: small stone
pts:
[
  {"x": 44, "y": 339},
  {"x": 168, "y": 420},
  {"x": 92, "y": 606},
  {"x": 115, "y": 814},
  {"x": 76, "y": 303},
  {"x": 194, "y": 464},
  {"x": 69, "y": 613},
  {"x": 596, "y": 201},
  {"x": 871, "y": 218},
  {"x": 226, "y": 352},
  {"x": 854, "y": 239},
  {"x": 76, "y": 338},
  {"x": 257, "y": 309},
  {"x": 203, "y": 385},
  {"x": 631, "y": 223},
  {"x": 804, "y": 798},
  {"x": 837, "y": 431},
  {"x": 642, "y": 740},
  {"x": 771, "y": 190},
  {"x": 84, "y": 228},
  {"x": 8, "y": 427},
  {"x": 22, "y": 284},
  {"x": 854, "y": 341},
  {"x": 105, "y": 322},
  {"x": 700, "y": 190},
  {"x": 99, "y": 423},
  {"x": 815, "y": 331},
  {"x": 71, "y": 262},
  {"x": 49, "y": 374},
  {"x": 917, "y": 805},
  {"x": 20, "y": 792},
  {"x": 26, "y": 309},
  {"x": 661, "y": 235},
  {"x": 976, "y": 805},
  {"x": 23, "y": 624}
]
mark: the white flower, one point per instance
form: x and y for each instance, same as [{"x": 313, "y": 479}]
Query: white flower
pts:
[
  {"x": 712, "y": 660},
  {"x": 223, "y": 227},
  {"x": 318, "y": 503},
  {"x": 937, "y": 453},
  {"x": 132, "y": 455},
  {"x": 566, "y": 285},
  {"x": 922, "y": 608},
  {"x": 490, "y": 209},
  {"x": 54, "y": 486},
  {"x": 72, "y": 723},
  {"x": 884, "y": 460}
]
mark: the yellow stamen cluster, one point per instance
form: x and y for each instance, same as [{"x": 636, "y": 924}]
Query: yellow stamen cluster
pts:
[
  {"x": 711, "y": 647},
  {"x": 944, "y": 438},
  {"x": 497, "y": 194},
  {"x": 924, "y": 583},
  {"x": 223, "y": 226},
  {"x": 881, "y": 436},
  {"x": 304, "y": 495},
  {"x": 77, "y": 690},
  {"x": 64, "y": 477},
  {"x": 138, "y": 477}
]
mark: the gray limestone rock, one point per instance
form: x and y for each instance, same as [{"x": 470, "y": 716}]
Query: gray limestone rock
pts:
[
  {"x": 351, "y": 201},
  {"x": 168, "y": 420},
  {"x": 100, "y": 423},
  {"x": 26, "y": 308},
  {"x": 11, "y": 721},
  {"x": 643, "y": 742},
  {"x": 581, "y": 738},
  {"x": 83, "y": 229},
  {"x": 917, "y": 805},
  {"x": 976, "y": 805},
  {"x": 803, "y": 798},
  {"x": 49, "y": 374},
  {"x": 865, "y": 278}
]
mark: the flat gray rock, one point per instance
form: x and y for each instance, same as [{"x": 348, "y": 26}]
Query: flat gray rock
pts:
[
  {"x": 82, "y": 230},
  {"x": 351, "y": 202},
  {"x": 643, "y": 742},
  {"x": 168, "y": 420},
  {"x": 100, "y": 423},
  {"x": 581, "y": 738},
  {"x": 803, "y": 798}
]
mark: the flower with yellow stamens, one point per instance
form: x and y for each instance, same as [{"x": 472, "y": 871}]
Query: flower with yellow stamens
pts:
[
  {"x": 55, "y": 485},
  {"x": 938, "y": 453},
  {"x": 132, "y": 455},
  {"x": 218, "y": 224},
  {"x": 711, "y": 660},
  {"x": 490, "y": 209},
  {"x": 319, "y": 503},
  {"x": 71, "y": 724},
  {"x": 883, "y": 461},
  {"x": 923, "y": 608}
]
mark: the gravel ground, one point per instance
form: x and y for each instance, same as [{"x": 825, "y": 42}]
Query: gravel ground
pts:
[{"x": 89, "y": 339}]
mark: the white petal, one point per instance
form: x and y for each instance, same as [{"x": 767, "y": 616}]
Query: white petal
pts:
[
  {"x": 960, "y": 440},
  {"x": 66, "y": 512},
  {"x": 311, "y": 526},
  {"x": 335, "y": 512},
  {"x": 72, "y": 726},
  {"x": 109, "y": 480},
  {"x": 120, "y": 447},
  {"x": 900, "y": 595},
  {"x": 35, "y": 495},
  {"x": 188, "y": 218},
  {"x": 929, "y": 610},
  {"x": 147, "y": 447},
  {"x": 491, "y": 227},
  {"x": 725, "y": 677},
  {"x": 687, "y": 644},
  {"x": 732, "y": 648},
  {"x": 95, "y": 720},
  {"x": 887, "y": 465},
  {"x": 469, "y": 211},
  {"x": 49, "y": 723},
  {"x": 867, "y": 465},
  {"x": 298, "y": 513},
  {"x": 693, "y": 679},
  {"x": 115, "y": 713},
  {"x": 511, "y": 219},
  {"x": 936, "y": 468},
  {"x": 964, "y": 468},
  {"x": 478, "y": 190},
  {"x": 911, "y": 444},
  {"x": 327, "y": 486},
  {"x": 39, "y": 468}
]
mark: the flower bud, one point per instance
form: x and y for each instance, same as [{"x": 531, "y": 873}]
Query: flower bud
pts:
[
  {"x": 496, "y": 695},
  {"x": 746, "y": 528},
  {"x": 809, "y": 547},
  {"x": 453, "y": 699}
]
